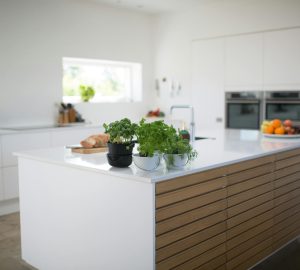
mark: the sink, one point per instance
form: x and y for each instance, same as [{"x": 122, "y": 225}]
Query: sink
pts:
[{"x": 203, "y": 138}]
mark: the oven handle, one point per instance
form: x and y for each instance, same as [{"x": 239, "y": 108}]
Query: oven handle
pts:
[
  {"x": 282, "y": 101},
  {"x": 242, "y": 101}
]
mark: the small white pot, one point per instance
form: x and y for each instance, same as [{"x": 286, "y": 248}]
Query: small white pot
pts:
[
  {"x": 176, "y": 160},
  {"x": 146, "y": 163}
]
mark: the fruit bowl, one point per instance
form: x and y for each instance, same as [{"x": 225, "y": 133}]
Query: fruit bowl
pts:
[{"x": 280, "y": 129}]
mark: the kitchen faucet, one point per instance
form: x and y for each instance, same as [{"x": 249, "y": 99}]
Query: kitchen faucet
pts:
[{"x": 192, "y": 123}]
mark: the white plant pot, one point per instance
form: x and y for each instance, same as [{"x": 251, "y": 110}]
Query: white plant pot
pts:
[
  {"x": 146, "y": 163},
  {"x": 176, "y": 160}
]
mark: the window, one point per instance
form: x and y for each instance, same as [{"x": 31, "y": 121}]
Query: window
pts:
[{"x": 112, "y": 81}]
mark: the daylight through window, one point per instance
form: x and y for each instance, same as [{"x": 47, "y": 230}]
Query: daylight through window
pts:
[{"x": 112, "y": 81}]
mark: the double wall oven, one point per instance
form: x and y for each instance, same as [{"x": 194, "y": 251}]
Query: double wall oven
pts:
[{"x": 246, "y": 110}]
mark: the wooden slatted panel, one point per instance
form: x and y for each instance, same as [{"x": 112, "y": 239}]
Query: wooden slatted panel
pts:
[
  {"x": 248, "y": 194},
  {"x": 189, "y": 241},
  {"x": 287, "y": 154},
  {"x": 243, "y": 247},
  {"x": 218, "y": 263},
  {"x": 203, "y": 258},
  {"x": 249, "y": 253},
  {"x": 286, "y": 197},
  {"x": 189, "y": 192},
  {"x": 290, "y": 236},
  {"x": 249, "y": 184},
  {"x": 189, "y": 229},
  {"x": 287, "y": 170},
  {"x": 287, "y": 179},
  {"x": 287, "y": 162},
  {"x": 189, "y": 180},
  {"x": 251, "y": 223},
  {"x": 287, "y": 188},
  {"x": 189, "y": 204},
  {"x": 256, "y": 258},
  {"x": 189, "y": 217},
  {"x": 245, "y": 236},
  {"x": 287, "y": 213},
  {"x": 191, "y": 253},
  {"x": 250, "y": 173},
  {"x": 286, "y": 206},
  {"x": 287, "y": 227},
  {"x": 241, "y": 166}
]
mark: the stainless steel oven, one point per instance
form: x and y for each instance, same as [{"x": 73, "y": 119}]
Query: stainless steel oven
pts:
[
  {"x": 282, "y": 105},
  {"x": 243, "y": 109}
]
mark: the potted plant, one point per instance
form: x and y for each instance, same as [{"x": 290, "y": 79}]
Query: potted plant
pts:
[
  {"x": 86, "y": 92},
  {"x": 150, "y": 137},
  {"x": 120, "y": 143},
  {"x": 178, "y": 151}
]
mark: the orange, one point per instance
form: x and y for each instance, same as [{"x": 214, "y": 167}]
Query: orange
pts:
[
  {"x": 280, "y": 130},
  {"x": 276, "y": 123},
  {"x": 269, "y": 129}
]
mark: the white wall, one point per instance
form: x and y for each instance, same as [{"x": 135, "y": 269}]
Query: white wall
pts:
[
  {"x": 175, "y": 33},
  {"x": 36, "y": 34}
]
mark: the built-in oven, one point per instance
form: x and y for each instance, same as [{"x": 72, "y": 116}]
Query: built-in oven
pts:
[
  {"x": 243, "y": 109},
  {"x": 282, "y": 105}
]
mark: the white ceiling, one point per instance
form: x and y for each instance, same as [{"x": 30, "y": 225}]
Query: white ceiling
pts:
[{"x": 153, "y": 6}]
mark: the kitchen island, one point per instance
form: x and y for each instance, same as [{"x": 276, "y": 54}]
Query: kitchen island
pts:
[{"x": 234, "y": 205}]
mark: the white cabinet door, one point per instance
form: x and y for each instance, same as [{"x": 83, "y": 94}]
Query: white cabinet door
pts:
[
  {"x": 208, "y": 83},
  {"x": 10, "y": 183},
  {"x": 1, "y": 185},
  {"x": 22, "y": 141},
  {"x": 71, "y": 136},
  {"x": 244, "y": 62},
  {"x": 282, "y": 60}
]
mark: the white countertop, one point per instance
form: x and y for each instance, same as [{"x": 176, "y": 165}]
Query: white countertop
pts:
[{"x": 229, "y": 146}]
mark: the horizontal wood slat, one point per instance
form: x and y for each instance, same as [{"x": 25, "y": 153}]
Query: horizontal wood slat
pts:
[
  {"x": 191, "y": 253},
  {"x": 191, "y": 216},
  {"x": 286, "y": 214},
  {"x": 249, "y": 184},
  {"x": 287, "y": 170},
  {"x": 287, "y": 188},
  {"x": 218, "y": 263},
  {"x": 189, "y": 192},
  {"x": 246, "y": 205},
  {"x": 203, "y": 258},
  {"x": 233, "y": 232},
  {"x": 248, "y": 194},
  {"x": 234, "y": 221},
  {"x": 286, "y": 205},
  {"x": 243, "y": 247},
  {"x": 287, "y": 179},
  {"x": 189, "y": 180},
  {"x": 189, "y": 241},
  {"x": 287, "y": 154},
  {"x": 250, "y": 174},
  {"x": 189, "y": 204},
  {"x": 182, "y": 232},
  {"x": 287, "y": 162},
  {"x": 248, "y": 254},
  {"x": 245, "y": 236},
  {"x": 245, "y": 165}
]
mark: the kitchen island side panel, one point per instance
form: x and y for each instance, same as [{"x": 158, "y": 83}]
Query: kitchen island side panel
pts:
[{"x": 75, "y": 219}]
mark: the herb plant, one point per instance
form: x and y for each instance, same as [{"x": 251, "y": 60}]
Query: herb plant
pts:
[
  {"x": 121, "y": 132},
  {"x": 151, "y": 137}
]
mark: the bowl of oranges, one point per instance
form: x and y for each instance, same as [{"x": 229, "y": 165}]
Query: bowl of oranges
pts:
[{"x": 280, "y": 129}]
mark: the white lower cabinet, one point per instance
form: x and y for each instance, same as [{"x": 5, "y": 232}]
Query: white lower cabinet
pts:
[{"x": 10, "y": 183}]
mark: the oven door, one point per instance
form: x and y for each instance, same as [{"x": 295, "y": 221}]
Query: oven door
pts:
[
  {"x": 243, "y": 114},
  {"x": 283, "y": 110}
]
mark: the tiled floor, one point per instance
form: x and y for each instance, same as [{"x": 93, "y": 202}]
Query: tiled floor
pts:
[{"x": 10, "y": 249}]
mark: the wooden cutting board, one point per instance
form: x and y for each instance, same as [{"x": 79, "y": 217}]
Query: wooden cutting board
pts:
[{"x": 81, "y": 150}]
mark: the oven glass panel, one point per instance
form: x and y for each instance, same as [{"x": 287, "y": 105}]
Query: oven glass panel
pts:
[
  {"x": 283, "y": 111},
  {"x": 243, "y": 116}
]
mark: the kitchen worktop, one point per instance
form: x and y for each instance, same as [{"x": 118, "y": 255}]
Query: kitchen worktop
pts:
[{"x": 223, "y": 148}]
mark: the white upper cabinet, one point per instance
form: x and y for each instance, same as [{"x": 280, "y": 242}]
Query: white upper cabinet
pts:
[
  {"x": 244, "y": 62},
  {"x": 282, "y": 60},
  {"x": 208, "y": 83}
]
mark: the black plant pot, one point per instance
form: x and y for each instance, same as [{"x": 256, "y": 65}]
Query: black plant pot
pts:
[
  {"x": 119, "y": 149},
  {"x": 119, "y": 161}
]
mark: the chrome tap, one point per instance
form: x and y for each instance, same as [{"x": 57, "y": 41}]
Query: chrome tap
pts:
[{"x": 192, "y": 123}]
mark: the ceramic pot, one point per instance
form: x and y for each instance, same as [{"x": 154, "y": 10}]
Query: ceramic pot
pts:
[
  {"x": 119, "y": 149},
  {"x": 146, "y": 163},
  {"x": 119, "y": 161}
]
